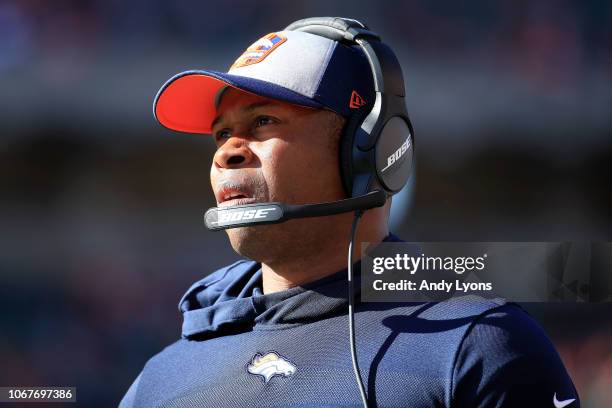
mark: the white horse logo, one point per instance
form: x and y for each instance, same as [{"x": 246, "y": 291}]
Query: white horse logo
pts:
[{"x": 269, "y": 365}]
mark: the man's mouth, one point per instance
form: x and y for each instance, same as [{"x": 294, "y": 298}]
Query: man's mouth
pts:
[
  {"x": 238, "y": 201},
  {"x": 232, "y": 196}
]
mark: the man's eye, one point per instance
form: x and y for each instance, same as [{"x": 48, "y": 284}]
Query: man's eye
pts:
[
  {"x": 263, "y": 121},
  {"x": 221, "y": 135}
]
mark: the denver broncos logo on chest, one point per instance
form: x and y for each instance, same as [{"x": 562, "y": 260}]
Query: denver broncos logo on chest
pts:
[
  {"x": 259, "y": 50},
  {"x": 269, "y": 365}
]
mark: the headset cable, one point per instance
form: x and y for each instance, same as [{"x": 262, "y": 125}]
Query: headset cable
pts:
[{"x": 351, "y": 312}]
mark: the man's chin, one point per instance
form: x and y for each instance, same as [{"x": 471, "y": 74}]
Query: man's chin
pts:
[
  {"x": 256, "y": 243},
  {"x": 273, "y": 243}
]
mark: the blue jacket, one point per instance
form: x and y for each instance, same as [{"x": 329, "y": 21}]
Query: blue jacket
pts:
[{"x": 241, "y": 348}]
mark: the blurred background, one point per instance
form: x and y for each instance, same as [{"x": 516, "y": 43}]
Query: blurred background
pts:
[{"x": 101, "y": 209}]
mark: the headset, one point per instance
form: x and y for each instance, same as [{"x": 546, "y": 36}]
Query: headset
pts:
[
  {"x": 376, "y": 151},
  {"x": 376, "y": 147}
]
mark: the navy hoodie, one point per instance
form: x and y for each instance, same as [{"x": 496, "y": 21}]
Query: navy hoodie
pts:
[{"x": 241, "y": 348}]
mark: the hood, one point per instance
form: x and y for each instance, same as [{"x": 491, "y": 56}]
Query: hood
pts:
[{"x": 231, "y": 300}]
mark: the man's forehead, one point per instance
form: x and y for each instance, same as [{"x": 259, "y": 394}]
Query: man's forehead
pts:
[
  {"x": 243, "y": 105},
  {"x": 244, "y": 102},
  {"x": 231, "y": 95}
]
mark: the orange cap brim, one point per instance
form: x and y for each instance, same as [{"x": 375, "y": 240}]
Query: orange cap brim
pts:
[{"x": 187, "y": 103}]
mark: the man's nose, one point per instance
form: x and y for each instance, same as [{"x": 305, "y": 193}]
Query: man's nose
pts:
[{"x": 233, "y": 154}]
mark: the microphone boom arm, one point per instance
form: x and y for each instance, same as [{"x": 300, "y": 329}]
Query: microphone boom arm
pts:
[{"x": 220, "y": 218}]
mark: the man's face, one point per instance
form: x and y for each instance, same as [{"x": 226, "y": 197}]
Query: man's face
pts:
[{"x": 269, "y": 150}]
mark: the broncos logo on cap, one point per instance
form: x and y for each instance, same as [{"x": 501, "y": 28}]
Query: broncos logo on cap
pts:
[
  {"x": 259, "y": 50},
  {"x": 269, "y": 365}
]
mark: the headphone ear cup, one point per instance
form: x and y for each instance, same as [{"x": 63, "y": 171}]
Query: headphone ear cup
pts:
[{"x": 394, "y": 154}]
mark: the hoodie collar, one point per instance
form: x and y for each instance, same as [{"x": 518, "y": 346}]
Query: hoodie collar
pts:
[{"x": 232, "y": 300}]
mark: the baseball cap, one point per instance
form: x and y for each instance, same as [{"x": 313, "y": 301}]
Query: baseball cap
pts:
[{"x": 291, "y": 66}]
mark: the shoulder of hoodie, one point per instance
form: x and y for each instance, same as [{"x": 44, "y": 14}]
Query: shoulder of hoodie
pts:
[
  {"x": 229, "y": 272},
  {"x": 455, "y": 319},
  {"x": 458, "y": 312},
  {"x": 236, "y": 268},
  {"x": 493, "y": 329}
]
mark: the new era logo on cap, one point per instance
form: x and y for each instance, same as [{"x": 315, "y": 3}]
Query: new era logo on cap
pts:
[{"x": 356, "y": 101}]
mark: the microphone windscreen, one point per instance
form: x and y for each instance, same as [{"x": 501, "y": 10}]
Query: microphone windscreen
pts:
[{"x": 218, "y": 218}]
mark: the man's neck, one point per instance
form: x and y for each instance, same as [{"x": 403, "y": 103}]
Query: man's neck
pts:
[{"x": 299, "y": 270}]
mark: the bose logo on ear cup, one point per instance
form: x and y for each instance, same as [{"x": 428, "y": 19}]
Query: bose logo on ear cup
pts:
[{"x": 397, "y": 154}]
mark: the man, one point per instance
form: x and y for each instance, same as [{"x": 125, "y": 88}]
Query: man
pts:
[{"x": 271, "y": 330}]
